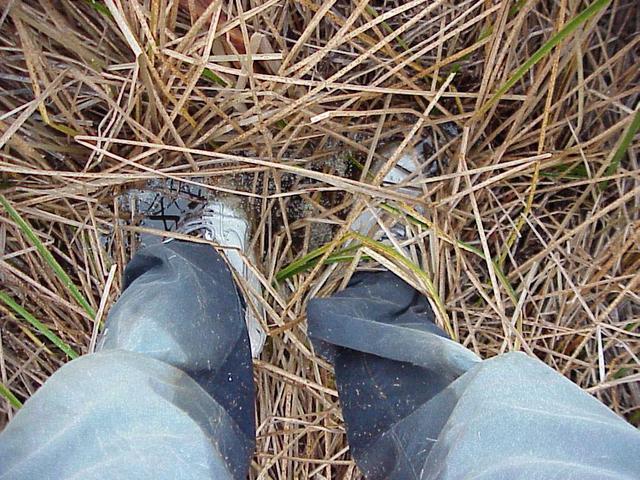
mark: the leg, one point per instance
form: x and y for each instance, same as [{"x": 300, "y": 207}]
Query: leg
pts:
[
  {"x": 169, "y": 394},
  {"x": 419, "y": 406}
]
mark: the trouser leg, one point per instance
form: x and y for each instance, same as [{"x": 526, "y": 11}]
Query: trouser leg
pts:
[
  {"x": 419, "y": 406},
  {"x": 169, "y": 394}
]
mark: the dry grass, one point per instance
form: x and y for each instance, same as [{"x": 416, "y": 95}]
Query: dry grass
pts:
[{"x": 529, "y": 238}]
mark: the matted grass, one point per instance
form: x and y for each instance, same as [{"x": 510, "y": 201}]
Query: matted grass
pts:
[{"x": 526, "y": 237}]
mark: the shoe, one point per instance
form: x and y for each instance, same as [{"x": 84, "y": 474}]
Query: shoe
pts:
[
  {"x": 224, "y": 222},
  {"x": 411, "y": 165},
  {"x": 183, "y": 208},
  {"x": 407, "y": 165}
]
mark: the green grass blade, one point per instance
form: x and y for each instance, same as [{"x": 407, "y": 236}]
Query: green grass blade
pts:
[
  {"x": 544, "y": 50},
  {"x": 48, "y": 258},
  {"x": 517, "y": 7},
  {"x": 212, "y": 77},
  {"x": 38, "y": 325},
  {"x": 387, "y": 28},
  {"x": 431, "y": 289},
  {"x": 576, "y": 171},
  {"x": 99, "y": 7},
  {"x": 6, "y": 393},
  {"x": 417, "y": 219},
  {"x": 311, "y": 259},
  {"x": 301, "y": 264},
  {"x": 625, "y": 142}
]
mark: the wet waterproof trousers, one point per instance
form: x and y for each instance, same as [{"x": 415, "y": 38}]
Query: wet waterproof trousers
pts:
[{"x": 169, "y": 392}]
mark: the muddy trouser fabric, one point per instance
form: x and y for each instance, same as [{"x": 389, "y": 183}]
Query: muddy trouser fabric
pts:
[
  {"x": 419, "y": 406},
  {"x": 169, "y": 394}
]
